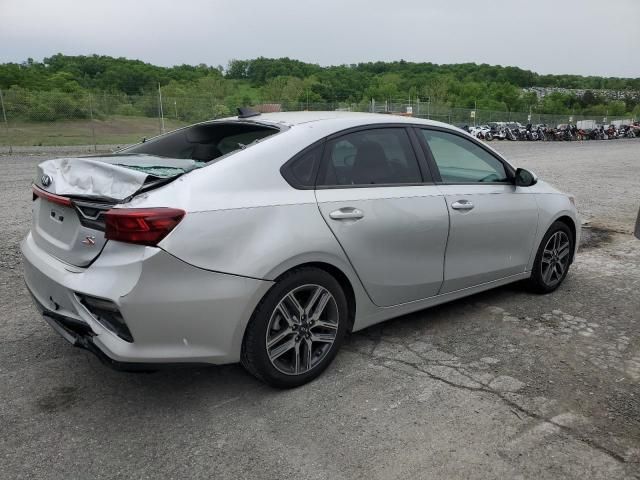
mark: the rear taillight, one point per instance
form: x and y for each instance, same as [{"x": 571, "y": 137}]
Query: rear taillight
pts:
[
  {"x": 144, "y": 226},
  {"x": 38, "y": 192}
]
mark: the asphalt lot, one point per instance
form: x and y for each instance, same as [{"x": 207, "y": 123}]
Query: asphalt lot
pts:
[{"x": 504, "y": 384}]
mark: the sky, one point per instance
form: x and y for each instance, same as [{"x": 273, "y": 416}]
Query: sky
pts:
[{"x": 586, "y": 37}]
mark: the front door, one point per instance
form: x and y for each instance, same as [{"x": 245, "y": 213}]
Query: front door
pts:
[{"x": 493, "y": 222}]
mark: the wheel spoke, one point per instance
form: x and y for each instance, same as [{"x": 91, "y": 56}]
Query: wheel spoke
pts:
[
  {"x": 546, "y": 275},
  {"x": 323, "y": 324},
  {"x": 296, "y": 368},
  {"x": 282, "y": 349},
  {"x": 559, "y": 269},
  {"x": 294, "y": 301},
  {"x": 308, "y": 353},
  {"x": 279, "y": 337},
  {"x": 321, "y": 305},
  {"x": 312, "y": 300},
  {"x": 564, "y": 250},
  {"x": 323, "y": 337},
  {"x": 284, "y": 312}
]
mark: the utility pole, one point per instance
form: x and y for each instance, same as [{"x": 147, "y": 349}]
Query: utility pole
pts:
[
  {"x": 475, "y": 111},
  {"x": 160, "y": 109},
  {"x": 6, "y": 124}
]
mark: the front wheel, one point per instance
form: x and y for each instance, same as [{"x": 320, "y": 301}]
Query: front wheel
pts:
[
  {"x": 553, "y": 259},
  {"x": 296, "y": 330}
]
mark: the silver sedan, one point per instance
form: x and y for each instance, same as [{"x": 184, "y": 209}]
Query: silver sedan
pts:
[{"x": 266, "y": 238}]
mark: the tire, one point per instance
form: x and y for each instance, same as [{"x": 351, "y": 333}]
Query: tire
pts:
[
  {"x": 287, "y": 317},
  {"x": 554, "y": 256}
]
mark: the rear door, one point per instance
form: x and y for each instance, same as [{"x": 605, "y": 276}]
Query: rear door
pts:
[
  {"x": 391, "y": 221},
  {"x": 493, "y": 223}
]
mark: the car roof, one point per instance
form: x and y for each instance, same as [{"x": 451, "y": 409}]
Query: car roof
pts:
[
  {"x": 354, "y": 118},
  {"x": 316, "y": 125}
]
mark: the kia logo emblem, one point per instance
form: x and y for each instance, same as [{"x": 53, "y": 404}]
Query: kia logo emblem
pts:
[{"x": 46, "y": 180}]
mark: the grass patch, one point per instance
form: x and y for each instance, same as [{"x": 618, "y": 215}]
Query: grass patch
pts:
[{"x": 115, "y": 130}]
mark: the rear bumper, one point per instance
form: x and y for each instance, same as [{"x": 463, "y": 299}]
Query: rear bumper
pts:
[
  {"x": 176, "y": 313},
  {"x": 80, "y": 335}
]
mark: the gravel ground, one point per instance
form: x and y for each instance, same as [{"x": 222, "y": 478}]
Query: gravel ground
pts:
[{"x": 504, "y": 384}]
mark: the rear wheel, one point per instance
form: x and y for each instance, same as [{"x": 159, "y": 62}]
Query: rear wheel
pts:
[
  {"x": 553, "y": 259},
  {"x": 296, "y": 330}
]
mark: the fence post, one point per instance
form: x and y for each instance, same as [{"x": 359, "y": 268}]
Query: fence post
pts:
[
  {"x": 6, "y": 124},
  {"x": 93, "y": 128},
  {"x": 160, "y": 111}
]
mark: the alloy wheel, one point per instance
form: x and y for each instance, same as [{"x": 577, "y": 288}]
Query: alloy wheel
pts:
[
  {"x": 555, "y": 258},
  {"x": 302, "y": 329}
]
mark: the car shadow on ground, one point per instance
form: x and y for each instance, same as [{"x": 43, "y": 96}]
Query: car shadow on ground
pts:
[{"x": 175, "y": 381}]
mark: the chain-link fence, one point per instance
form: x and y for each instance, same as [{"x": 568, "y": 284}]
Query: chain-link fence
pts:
[{"x": 32, "y": 118}]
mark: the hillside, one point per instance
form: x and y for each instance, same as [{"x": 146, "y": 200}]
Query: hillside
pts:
[{"x": 286, "y": 80}]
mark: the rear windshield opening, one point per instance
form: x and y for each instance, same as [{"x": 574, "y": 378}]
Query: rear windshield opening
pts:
[{"x": 204, "y": 142}]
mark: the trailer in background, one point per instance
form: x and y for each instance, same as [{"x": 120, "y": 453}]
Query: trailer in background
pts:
[
  {"x": 586, "y": 124},
  {"x": 619, "y": 123}
]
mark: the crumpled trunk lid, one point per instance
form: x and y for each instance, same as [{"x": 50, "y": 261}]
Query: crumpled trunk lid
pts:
[{"x": 71, "y": 196}]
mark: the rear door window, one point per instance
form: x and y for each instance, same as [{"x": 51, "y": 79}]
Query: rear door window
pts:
[{"x": 381, "y": 156}]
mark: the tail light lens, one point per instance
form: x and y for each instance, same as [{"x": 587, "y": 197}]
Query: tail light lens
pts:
[{"x": 144, "y": 226}]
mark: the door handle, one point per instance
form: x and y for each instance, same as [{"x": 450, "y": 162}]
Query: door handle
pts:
[
  {"x": 347, "y": 213},
  {"x": 462, "y": 205}
]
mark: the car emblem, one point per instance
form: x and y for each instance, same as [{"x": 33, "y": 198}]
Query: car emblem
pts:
[
  {"x": 46, "y": 180},
  {"x": 89, "y": 241}
]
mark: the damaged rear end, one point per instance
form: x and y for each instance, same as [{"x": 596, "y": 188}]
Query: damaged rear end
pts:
[
  {"x": 72, "y": 198},
  {"x": 91, "y": 256}
]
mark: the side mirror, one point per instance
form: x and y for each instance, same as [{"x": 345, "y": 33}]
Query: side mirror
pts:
[{"x": 525, "y": 178}]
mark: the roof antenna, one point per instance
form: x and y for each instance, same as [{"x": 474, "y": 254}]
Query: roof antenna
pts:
[{"x": 246, "y": 112}]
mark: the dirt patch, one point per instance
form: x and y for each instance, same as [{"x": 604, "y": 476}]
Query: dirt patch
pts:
[
  {"x": 60, "y": 398},
  {"x": 595, "y": 237}
]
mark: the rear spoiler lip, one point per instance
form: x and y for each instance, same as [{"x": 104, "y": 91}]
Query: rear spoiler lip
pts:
[{"x": 53, "y": 198}]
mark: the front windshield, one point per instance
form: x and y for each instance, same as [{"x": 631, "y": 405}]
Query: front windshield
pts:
[{"x": 203, "y": 142}]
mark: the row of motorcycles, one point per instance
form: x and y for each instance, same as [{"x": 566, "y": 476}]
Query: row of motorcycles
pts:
[{"x": 566, "y": 132}]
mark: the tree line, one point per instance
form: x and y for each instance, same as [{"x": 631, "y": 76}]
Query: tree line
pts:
[{"x": 62, "y": 78}]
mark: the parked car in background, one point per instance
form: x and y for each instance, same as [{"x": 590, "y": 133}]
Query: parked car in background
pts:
[
  {"x": 483, "y": 132},
  {"x": 265, "y": 238}
]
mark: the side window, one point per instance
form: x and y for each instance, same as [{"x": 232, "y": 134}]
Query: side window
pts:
[
  {"x": 461, "y": 161},
  {"x": 371, "y": 157},
  {"x": 302, "y": 170}
]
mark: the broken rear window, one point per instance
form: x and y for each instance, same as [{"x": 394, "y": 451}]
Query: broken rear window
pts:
[{"x": 204, "y": 142}]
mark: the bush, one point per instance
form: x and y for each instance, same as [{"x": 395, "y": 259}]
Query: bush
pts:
[{"x": 56, "y": 105}]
